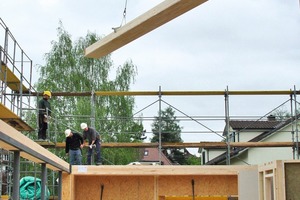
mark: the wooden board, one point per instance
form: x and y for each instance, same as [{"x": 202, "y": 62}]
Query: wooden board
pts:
[
  {"x": 137, "y": 187},
  {"x": 11, "y": 79},
  {"x": 128, "y": 170},
  {"x": 157, "y": 16},
  {"x": 210, "y": 145},
  {"x": 13, "y": 140},
  {"x": 13, "y": 120},
  {"x": 292, "y": 181}
]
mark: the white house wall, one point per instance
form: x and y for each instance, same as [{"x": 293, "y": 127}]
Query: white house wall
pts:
[
  {"x": 262, "y": 155},
  {"x": 246, "y": 136},
  {"x": 211, "y": 154}
]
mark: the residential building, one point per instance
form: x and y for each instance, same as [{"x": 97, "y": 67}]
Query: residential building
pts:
[{"x": 269, "y": 130}]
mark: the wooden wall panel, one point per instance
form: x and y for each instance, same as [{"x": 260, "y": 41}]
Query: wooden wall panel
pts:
[
  {"x": 143, "y": 187},
  {"x": 115, "y": 187},
  {"x": 154, "y": 182},
  {"x": 203, "y": 185},
  {"x": 292, "y": 180},
  {"x": 67, "y": 186}
]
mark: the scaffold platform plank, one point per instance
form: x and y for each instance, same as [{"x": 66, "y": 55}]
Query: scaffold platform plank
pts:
[
  {"x": 13, "y": 120},
  {"x": 45, "y": 143},
  {"x": 211, "y": 145},
  {"x": 11, "y": 79},
  {"x": 152, "y": 19}
]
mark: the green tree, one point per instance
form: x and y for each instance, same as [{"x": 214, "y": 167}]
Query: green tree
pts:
[
  {"x": 193, "y": 160},
  {"x": 67, "y": 70},
  {"x": 170, "y": 129},
  {"x": 170, "y": 132}
]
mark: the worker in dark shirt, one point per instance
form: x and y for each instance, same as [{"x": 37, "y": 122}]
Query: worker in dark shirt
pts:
[
  {"x": 44, "y": 115},
  {"x": 94, "y": 143},
  {"x": 73, "y": 147}
]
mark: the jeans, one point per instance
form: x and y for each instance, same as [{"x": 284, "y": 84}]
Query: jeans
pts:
[
  {"x": 75, "y": 157},
  {"x": 98, "y": 153}
]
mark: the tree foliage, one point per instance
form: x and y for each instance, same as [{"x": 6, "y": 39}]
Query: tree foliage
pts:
[
  {"x": 167, "y": 124},
  {"x": 67, "y": 70}
]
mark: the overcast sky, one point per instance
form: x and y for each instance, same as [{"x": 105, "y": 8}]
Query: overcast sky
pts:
[{"x": 245, "y": 45}]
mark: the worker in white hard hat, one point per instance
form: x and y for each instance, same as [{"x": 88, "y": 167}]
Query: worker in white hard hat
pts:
[
  {"x": 44, "y": 115},
  {"x": 74, "y": 143},
  {"x": 94, "y": 143}
]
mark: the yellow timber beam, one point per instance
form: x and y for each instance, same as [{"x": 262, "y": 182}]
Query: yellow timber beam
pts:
[
  {"x": 190, "y": 145},
  {"x": 152, "y": 19},
  {"x": 11, "y": 79},
  {"x": 173, "y": 93},
  {"x": 13, "y": 120}
]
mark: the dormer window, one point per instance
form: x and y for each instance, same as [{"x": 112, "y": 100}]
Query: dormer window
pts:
[{"x": 146, "y": 153}]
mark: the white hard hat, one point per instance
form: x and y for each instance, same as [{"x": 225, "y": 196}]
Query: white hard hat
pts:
[
  {"x": 83, "y": 126},
  {"x": 67, "y": 132}
]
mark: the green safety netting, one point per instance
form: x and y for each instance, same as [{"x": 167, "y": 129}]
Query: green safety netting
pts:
[{"x": 30, "y": 188}]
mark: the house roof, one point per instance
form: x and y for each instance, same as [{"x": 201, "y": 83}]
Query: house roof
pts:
[
  {"x": 247, "y": 124},
  {"x": 270, "y": 127},
  {"x": 152, "y": 155}
]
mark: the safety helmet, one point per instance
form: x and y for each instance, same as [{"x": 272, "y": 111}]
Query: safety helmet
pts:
[
  {"x": 48, "y": 93},
  {"x": 83, "y": 126},
  {"x": 67, "y": 132}
]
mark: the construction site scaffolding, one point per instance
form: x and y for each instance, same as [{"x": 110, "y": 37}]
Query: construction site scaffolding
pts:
[{"x": 17, "y": 92}]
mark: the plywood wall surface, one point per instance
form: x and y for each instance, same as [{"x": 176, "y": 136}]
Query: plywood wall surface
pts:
[
  {"x": 67, "y": 186},
  {"x": 114, "y": 187},
  {"x": 149, "y": 187},
  {"x": 203, "y": 185}
]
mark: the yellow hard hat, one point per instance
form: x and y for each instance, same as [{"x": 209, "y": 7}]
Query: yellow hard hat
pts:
[{"x": 48, "y": 93}]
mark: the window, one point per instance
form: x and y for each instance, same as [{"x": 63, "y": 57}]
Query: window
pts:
[{"x": 146, "y": 152}]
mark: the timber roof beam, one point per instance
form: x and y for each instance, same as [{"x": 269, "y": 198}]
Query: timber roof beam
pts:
[{"x": 152, "y": 19}]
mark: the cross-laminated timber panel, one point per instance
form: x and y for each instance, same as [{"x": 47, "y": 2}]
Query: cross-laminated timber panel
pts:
[
  {"x": 155, "y": 17},
  {"x": 13, "y": 140},
  {"x": 151, "y": 182}
]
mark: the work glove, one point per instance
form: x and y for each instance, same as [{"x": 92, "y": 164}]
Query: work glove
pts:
[{"x": 91, "y": 146}]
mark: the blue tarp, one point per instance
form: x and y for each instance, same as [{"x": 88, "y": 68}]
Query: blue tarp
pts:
[{"x": 30, "y": 188}]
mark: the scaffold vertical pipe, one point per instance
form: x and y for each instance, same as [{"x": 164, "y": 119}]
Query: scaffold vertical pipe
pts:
[
  {"x": 227, "y": 126},
  {"x": 159, "y": 126},
  {"x": 5, "y": 45},
  {"x": 293, "y": 128},
  {"x": 93, "y": 114},
  {"x": 59, "y": 192},
  {"x": 30, "y": 78},
  {"x": 92, "y": 117},
  {"x": 44, "y": 181},
  {"x": 296, "y": 122},
  {"x": 21, "y": 85},
  {"x": 16, "y": 175}
]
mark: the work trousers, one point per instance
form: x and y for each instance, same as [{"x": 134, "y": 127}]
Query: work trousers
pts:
[
  {"x": 98, "y": 153},
  {"x": 75, "y": 157}
]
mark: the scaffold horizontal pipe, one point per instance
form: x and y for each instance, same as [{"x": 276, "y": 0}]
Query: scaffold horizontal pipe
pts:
[
  {"x": 173, "y": 93},
  {"x": 191, "y": 145}
]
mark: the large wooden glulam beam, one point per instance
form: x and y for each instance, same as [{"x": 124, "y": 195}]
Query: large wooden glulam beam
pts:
[
  {"x": 190, "y": 145},
  {"x": 157, "y": 16},
  {"x": 13, "y": 140}
]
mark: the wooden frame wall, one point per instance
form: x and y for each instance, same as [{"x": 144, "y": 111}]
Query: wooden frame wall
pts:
[
  {"x": 151, "y": 182},
  {"x": 279, "y": 180}
]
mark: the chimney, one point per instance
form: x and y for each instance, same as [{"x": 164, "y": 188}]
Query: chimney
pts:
[{"x": 271, "y": 118}]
